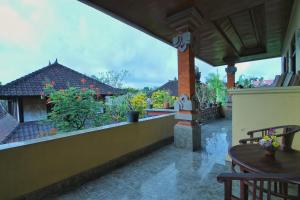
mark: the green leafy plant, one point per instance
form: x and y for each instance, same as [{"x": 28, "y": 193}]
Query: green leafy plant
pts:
[
  {"x": 138, "y": 102},
  {"x": 73, "y": 108},
  {"x": 248, "y": 81},
  {"x": 160, "y": 97},
  {"x": 116, "y": 109},
  {"x": 202, "y": 94},
  {"x": 217, "y": 91}
]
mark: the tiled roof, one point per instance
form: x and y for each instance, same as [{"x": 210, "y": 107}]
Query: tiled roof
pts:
[
  {"x": 29, "y": 130},
  {"x": 171, "y": 86},
  {"x": 33, "y": 83},
  {"x": 7, "y": 124},
  {"x": 2, "y": 112}
]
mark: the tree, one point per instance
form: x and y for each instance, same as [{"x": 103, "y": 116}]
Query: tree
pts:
[
  {"x": 248, "y": 81},
  {"x": 217, "y": 91},
  {"x": 148, "y": 90},
  {"x": 112, "y": 78},
  {"x": 202, "y": 94},
  {"x": 73, "y": 108}
]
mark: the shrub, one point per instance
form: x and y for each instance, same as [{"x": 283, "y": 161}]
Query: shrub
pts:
[
  {"x": 116, "y": 109},
  {"x": 217, "y": 91},
  {"x": 160, "y": 97},
  {"x": 72, "y": 108}
]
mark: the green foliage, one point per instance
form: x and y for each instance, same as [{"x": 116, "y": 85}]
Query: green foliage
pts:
[
  {"x": 130, "y": 90},
  {"x": 116, "y": 109},
  {"x": 160, "y": 97},
  {"x": 202, "y": 94},
  {"x": 217, "y": 91},
  {"x": 247, "y": 82},
  {"x": 139, "y": 102},
  {"x": 72, "y": 108},
  {"x": 112, "y": 78},
  {"x": 148, "y": 90}
]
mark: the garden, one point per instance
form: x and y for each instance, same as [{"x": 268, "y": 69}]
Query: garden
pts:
[{"x": 80, "y": 108}]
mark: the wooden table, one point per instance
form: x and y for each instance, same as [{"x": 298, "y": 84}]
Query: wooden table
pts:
[{"x": 251, "y": 158}]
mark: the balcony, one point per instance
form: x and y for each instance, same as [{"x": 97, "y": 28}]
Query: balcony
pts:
[
  {"x": 167, "y": 173},
  {"x": 124, "y": 161}
]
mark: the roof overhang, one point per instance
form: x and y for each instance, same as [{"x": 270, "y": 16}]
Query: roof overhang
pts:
[{"x": 243, "y": 30}]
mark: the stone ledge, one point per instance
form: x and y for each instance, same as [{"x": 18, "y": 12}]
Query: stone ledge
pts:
[
  {"x": 80, "y": 132},
  {"x": 266, "y": 90}
]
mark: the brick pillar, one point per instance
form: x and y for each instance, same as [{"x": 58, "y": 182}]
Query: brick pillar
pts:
[
  {"x": 186, "y": 72},
  {"x": 187, "y": 131},
  {"x": 230, "y": 70}
]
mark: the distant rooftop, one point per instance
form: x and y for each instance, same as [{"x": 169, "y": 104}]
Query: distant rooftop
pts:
[
  {"x": 7, "y": 124},
  {"x": 33, "y": 83},
  {"x": 171, "y": 86}
]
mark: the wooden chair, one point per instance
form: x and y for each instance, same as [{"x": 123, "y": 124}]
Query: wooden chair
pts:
[
  {"x": 286, "y": 132},
  {"x": 268, "y": 184},
  {"x": 261, "y": 185}
]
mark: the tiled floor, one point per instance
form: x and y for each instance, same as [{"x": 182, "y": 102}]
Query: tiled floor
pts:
[{"x": 168, "y": 173}]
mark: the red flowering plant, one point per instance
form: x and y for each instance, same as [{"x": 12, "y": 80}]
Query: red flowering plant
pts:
[{"x": 73, "y": 108}]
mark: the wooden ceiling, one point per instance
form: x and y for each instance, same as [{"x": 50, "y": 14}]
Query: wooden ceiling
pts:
[{"x": 243, "y": 30}]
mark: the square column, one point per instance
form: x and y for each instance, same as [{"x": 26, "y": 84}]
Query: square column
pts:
[
  {"x": 187, "y": 131},
  {"x": 230, "y": 70},
  {"x": 186, "y": 72}
]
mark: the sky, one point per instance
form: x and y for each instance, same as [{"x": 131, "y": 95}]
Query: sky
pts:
[{"x": 86, "y": 40}]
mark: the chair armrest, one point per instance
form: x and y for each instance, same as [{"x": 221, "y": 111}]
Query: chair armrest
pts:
[
  {"x": 257, "y": 177},
  {"x": 256, "y": 139},
  {"x": 265, "y": 129}
]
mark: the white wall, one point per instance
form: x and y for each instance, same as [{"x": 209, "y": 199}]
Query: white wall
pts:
[{"x": 34, "y": 109}]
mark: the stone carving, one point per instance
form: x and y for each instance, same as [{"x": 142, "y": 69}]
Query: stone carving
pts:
[
  {"x": 182, "y": 41},
  {"x": 231, "y": 69},
  {"x": 183, "y": 103}
]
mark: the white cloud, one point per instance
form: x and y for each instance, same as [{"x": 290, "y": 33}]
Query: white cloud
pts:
[
  {"x": 86, "y": 40},
  {"x": 14, "y": 29},
  {"x": 25, "y": 23},
  {"x": 243, "y": 67}
]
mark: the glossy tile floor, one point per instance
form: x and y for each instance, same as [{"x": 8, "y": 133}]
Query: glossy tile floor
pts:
[{"x": 168, "y": 173}]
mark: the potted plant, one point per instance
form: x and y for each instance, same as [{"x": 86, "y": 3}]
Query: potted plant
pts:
[
  {"x": 270, "y": 143},
  {"x": 133, "y": 115}
]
